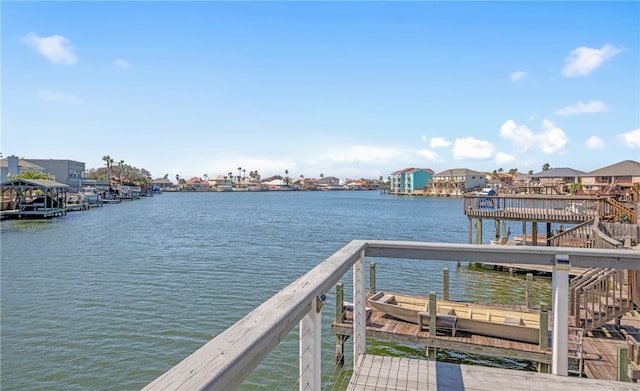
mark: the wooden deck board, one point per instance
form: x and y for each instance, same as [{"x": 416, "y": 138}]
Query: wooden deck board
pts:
[{"x": 378, "y": 373}]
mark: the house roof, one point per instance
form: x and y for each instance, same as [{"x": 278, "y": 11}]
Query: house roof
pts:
[
  {"x": 22, "y": 164},
  {"x": 411, "y": 169},
  {"x": 626, "y": 167},
  {"x": 560, "y": 172},
  {"x": 161, "y": 180}
]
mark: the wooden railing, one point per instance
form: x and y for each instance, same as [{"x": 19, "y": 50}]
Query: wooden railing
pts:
[
  {"x": 598, "y": 296},
  {"x": 550, "y": 208},
  {"x": 613, "y": 210},
  {"x": 228, "y": 359},
  {"x": 579, "y": 236}
]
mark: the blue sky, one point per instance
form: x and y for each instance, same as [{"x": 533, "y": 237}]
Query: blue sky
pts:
[{"x": 349, "y": 89}]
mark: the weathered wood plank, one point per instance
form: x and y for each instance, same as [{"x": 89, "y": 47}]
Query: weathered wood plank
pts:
[{"x": 398, "y": 373}]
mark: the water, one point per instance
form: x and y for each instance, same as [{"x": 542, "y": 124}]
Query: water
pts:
[{"x": 110, "y": 298}]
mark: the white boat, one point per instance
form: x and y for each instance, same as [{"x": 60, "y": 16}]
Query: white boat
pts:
[{"x": 90, "y": 195}]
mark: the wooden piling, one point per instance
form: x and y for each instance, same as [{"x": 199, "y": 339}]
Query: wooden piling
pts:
[
  {"x": 544, "y": 326},
  {"x": 432, "y": 314},
  {"x": 529, "y": 290},
  {"x": 445, "y": 283},
  {"x": 623, "y": 364},
  {"x": 372, "y": 278},
  {"x": 544, "y": 337}
]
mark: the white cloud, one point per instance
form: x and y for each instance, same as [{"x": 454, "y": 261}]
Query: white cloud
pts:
[
  {"x": 362, "y": 153},
  {"x": 472, "y": 148},
  {"x": 594, "y": 142},
  {"x": 503, "y": 158},
  {"x": 550, "y": 140},
  {"x": 631, "y": 139},
  {"x": 595, "y": 106},
  {"x": 518, "y": 75},
  {"x": 439, "y": 142},
  {"x": 122, "y": 64},
  {"x": 584, "y": 60},
  {"x": 423, "y": 138},
  {"x": 520, "y": 135},
  {"x": 55, "y": 48},
  {"x": 57, "y": 96},
  {"x": 429, "y": 155}
]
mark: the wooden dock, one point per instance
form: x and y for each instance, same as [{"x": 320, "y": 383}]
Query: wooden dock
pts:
[
  {"x": 373, "y": 373},
  {"x": 599, "y": 347},
  {"x": 386, "y": 328}
]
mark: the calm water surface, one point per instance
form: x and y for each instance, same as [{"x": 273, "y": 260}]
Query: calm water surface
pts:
[{"x": 110, "y": 298}]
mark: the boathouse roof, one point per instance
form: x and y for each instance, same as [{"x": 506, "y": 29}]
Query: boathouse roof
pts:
[{"x": 33, "y": 182}]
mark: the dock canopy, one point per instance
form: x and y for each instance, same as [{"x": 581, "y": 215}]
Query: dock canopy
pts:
[{"x": 33, "y": 198}]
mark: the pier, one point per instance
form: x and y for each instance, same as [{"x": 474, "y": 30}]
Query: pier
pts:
[
  {"x": 231, "y": 357},
  {"x": 582, "y": 211}
]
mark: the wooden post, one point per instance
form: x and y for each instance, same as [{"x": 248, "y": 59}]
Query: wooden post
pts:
[
  {"x": 478, "y": 231},
  {"x": 359, "y": 308},
  {"x": 534, "y": 233},
  {"x": 544, "y": 327},
  {"x": 372, "y": 278},
  {"x": 432, "y": 314},
  {"x": 497, "y": 226},
  {"x": 340, "y": 319},
  {"x": 445, "y": 283},
  {"x": 310, "y": 348},
  {"x": 549, "y": 234},
  {"x": 560, "y": 306},
  {"x": 504, "y": 229},
  {"x": 470, "y": 230},
  {"x": 623, "y": 364},
  {"x": 529, "y": 290}
]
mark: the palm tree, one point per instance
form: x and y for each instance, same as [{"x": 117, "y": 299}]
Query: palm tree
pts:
[
  {"x": 239, "y": 171},
  {"x": 230, "y": 174},
  {"x": 244, "y": 173},
  {"x": 321, "y": 175},
  {"x": 286, "y": 177},
  {"x": 107, "y": 159},
  {"x": 121, "y": 164},
  {"x": 546, "y": 167},
  {"x": 205, "y": 177}
]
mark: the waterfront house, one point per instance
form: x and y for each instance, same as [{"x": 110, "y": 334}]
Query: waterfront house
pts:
[
  {"x": 555, "y": 180},
  {"x": 221, "y": 183},
  {"x": 13, "y": 165},
  {"x": 410, "y": 180},
  {"x": 328, "y": 183},
  {"x": 197, "y": 184},
  {"x": 456, "y": 182},
  {"x": 69, "y": 172},
  {"x": 162, "y": 184},
  {"x": 618, "y": 179}
]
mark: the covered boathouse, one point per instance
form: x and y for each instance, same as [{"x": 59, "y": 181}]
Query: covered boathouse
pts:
[{"x": 32, "y": 198}]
